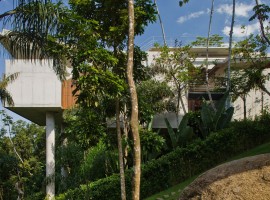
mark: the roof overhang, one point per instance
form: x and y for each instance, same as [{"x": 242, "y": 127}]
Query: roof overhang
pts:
[{"x": 38, "y": 114}]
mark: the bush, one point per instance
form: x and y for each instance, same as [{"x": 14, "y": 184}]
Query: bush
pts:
[{"x": 182, "y": 163}]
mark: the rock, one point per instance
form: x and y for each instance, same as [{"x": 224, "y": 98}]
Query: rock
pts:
[
  {"x": 239, "y": 179},
  {"x": 266, "y": 176}
]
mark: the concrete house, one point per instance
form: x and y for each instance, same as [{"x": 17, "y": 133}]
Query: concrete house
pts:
[
  {"x": 218, "y": 62},
  {"x": 40, "y": 97}
]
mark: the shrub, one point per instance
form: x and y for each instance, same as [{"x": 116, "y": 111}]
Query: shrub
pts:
[{"x": 182, "y": 163}]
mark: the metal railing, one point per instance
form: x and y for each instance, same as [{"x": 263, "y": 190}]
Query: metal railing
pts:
[{"x": 182, "y": 40}]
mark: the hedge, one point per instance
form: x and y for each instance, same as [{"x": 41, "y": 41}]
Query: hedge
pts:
[{"x": 182, "y": 163}]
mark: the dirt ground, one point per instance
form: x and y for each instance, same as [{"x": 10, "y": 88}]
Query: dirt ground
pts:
[{"x": 244, "y": 179}]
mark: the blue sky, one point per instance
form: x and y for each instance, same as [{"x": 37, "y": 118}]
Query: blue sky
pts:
[
  {"x": 192, "y": 20},
  {"x": 189, "y": 21}
]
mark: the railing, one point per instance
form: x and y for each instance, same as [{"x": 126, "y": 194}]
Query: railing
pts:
[
  {"x": 217, "y": 84},
  {"x": 183, "y": 40}
]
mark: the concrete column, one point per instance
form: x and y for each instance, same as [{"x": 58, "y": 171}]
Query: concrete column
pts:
[{"x": 50, "y": 152}]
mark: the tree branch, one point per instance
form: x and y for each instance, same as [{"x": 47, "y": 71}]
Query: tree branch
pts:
[
  {"x": 259, "y": 16},
  {"x": 11, "y": 12}
]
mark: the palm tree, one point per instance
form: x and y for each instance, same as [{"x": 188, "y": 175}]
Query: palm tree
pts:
[
  {"x": 207, "y": 47},
  {"x": 230, "y": 55},
  {"x": 161, "y": 23},
  {"x": 33, "y": 22},
  {"x": 5, "y": 96}
]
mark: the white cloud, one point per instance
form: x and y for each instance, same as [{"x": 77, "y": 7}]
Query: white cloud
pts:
[
  {"x": 238, "y": 31},
  {"x": 241, "y": 9},
  {"x": 194, "y": 15}
]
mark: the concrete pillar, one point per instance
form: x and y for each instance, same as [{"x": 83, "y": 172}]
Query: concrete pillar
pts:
[{"x": 50, "y": 152}]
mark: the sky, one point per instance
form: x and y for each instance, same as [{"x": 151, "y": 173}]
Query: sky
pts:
[
  {"x": 187, "y": 22},
  {"x": 191, "y": 20}
]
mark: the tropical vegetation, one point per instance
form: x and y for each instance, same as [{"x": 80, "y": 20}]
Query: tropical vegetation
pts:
[{"x": 109, "y": 148}]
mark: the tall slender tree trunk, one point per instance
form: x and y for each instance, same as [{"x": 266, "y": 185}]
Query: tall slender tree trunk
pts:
[
  {"x": 207, "y": 52},
  {"x": 230, "y": 55},
  {"x": 262, "y": 100},
  {"x": 120, "y": 151},
  {"x": 161, "y": 24},
  {"x": 134, "y": 122},
  {"x": 125, "y": 133},
  {"x": 245, "y": 106},
  {"x": 182, "y": 103}
]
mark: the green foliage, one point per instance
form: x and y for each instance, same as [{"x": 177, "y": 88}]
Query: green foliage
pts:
[
  {"x": 22, "y": 157},
  {"x": 113, "y": 27},
  {"x": 152, "y": 144},
  {"x": 93, "y": 85},
  {"x": 182, "y": 163},
  {"x": 69, "y": 157},
  {"x": 211, "y": 120},
  {"x": 154, "y": 97},
  {"x": 250, "y": 72},
  {"x": 183, "y": 2},
  {"x": 176, "y": 67},
  {"x": 79, "y": 126},
  {"x": 182, "y": 135},
  {"x": 99, "y": 163},
  {"x": 214, "y": 41},
  {"x": 261, "y": 11},
  {"x": 5, "y": 96}
]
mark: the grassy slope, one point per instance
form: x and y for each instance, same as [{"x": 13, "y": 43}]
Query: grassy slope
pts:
[{"x": 173, "y": 192}]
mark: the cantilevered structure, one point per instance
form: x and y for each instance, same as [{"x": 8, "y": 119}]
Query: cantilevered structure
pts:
[{"x": 40, "y": 97}]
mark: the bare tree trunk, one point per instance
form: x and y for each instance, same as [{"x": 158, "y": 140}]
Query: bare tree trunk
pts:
[
  {"x": 182, "y": 103},
  {"x": 262, "y": 106},
  {"x": 245, "y": 106},
  {"x": 125, "y": 134},
  {"x": 134, "y": 122},
  {"x": 120, "y": 151},
  {"x": 263, "y": 88},
  {"x": 230, "y": 54},
  {"x": 261, "y": 25},
  {"x": 207, "y": 52},
  {"x": 161, "y": 24}
]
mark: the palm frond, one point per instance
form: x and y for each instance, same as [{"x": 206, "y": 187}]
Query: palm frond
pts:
[
  {"x": 6, "y": 98},
  {"x": 34, "y": 23},
  {"x": 5, "y": 80}
]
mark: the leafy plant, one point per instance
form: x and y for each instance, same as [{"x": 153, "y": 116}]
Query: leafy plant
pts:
[
  {"x": 152, "y": 144},
  {"x": 211, "y": 120},
  {"x": 99, "y": 162},
  {"x": 182, "y": 163},
  {"x": 182, "y": 134}
]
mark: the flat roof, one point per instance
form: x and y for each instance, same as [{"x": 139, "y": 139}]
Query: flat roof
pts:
[{"x": 37, "y": 115}]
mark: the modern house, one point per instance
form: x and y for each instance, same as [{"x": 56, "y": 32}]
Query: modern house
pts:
[
  {"x": 40, "y": 97},
  {"x": 256, "y": 100},
  {"x": 197, "y": 92}
]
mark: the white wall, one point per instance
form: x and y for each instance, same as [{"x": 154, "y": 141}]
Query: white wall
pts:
[
  {"x": 215, "y": 54},
  {"x": 254, "y": 102},
  {"x": 36, "y": 86}
]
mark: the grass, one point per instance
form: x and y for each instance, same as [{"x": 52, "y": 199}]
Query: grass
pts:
[{"x": 173, "y": 192}]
